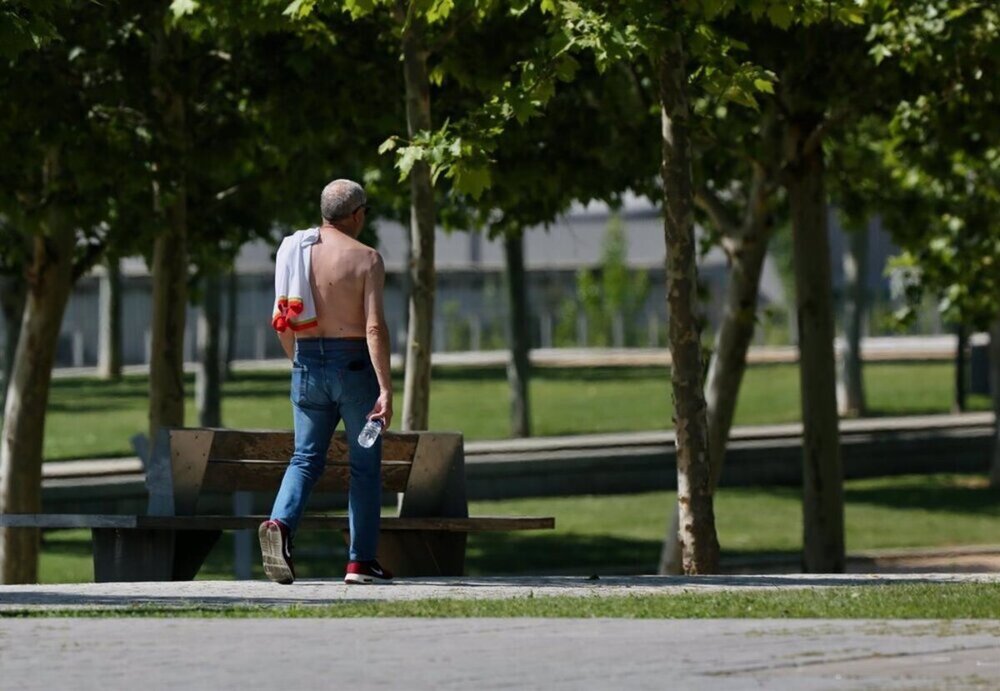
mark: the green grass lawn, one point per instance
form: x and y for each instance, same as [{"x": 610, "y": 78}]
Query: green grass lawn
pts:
[
  {"x": 90, "y": 418},
  {"x": 889, "y": 601},
  {"x": 622, "y": 533}
]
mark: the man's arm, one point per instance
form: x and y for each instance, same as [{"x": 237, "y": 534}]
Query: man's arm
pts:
[
  {"x": 377, "y": 334},
  {"x": 287, "y": 338}
]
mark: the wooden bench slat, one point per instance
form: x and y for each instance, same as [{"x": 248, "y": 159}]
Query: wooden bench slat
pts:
[
  {"x": 66, "y": 520},
  {"x": 314, "y": 522},
  {"x": 264, "y": 476},
  {"x": 278, "y": 445}
]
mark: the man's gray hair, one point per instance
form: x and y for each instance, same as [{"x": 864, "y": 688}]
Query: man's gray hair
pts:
[{"x": 341, "y": 198}]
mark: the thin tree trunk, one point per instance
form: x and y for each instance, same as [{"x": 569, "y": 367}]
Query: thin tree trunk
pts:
[
  {"x": 519, "y": 365},
  {"x": 208, "y": 378},
  {"x": 406, "y": 293},
  {"x": 729, "y": 356},
  {"x": 109, "y": 348},
  {"x": 995, "y": 392},
  {"x": 823, "y": 498},
  {"x": 232, "y": 305},
  {"x": 855, "y": 307},
  {"x": 13, "y": 293},
  {"x": 170, "y": 258},
  {"x": 419, "y": 344},
  {"x": 961, "y": 350},
  {"x": 699, "y": 542},
  {"x": 24, "y": 415},
  {"x": 166, "y": 368}
]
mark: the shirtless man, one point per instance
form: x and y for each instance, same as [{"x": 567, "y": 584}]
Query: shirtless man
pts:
[{"x": 340, "y": 370}]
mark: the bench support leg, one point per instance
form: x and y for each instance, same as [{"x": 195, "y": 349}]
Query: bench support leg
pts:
[
  {"x": 423, "y": 552},
  {"x": 191, "y": 547},
  {"x": 131, "y": 555}
]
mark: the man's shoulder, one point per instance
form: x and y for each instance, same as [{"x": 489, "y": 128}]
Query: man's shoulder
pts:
[
  {"x": 367, "y": 252},
  {"x": 304, "y": 236}
]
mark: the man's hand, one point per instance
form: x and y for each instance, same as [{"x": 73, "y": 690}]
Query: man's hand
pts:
[{"x": 383, "y": 409}]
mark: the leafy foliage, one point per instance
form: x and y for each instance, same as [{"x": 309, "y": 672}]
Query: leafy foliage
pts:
[
  {"x": 26, "y": 25},
  {"x": 940, "y": 157}
]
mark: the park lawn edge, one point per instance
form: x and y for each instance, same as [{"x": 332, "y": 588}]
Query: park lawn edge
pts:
[{"x": 885, "y": 601}]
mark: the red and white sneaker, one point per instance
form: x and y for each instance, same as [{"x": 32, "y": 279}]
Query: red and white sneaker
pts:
[
  {"x": 276, "y": 550},
  {"x": 366, "y": 573}
]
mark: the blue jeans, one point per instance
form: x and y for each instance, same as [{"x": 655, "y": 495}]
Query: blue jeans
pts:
[{"x": 333, "y": 378}]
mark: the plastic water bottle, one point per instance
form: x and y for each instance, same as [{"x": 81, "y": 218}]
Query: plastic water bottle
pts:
[{"x": 369, "y": 433}]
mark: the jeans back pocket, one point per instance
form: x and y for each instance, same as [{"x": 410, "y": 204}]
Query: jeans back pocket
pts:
[
  {"x": 359, "y": 381},
  {"x": 300, "y": 383}
]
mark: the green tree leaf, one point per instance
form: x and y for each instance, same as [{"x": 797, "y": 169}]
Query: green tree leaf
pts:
[{"x": 180, "y": 8}]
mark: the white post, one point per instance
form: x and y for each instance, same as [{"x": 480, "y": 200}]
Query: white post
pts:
[
  {"x": 618, "y": 330},
  {"x": 78, "y": 348},
  {"x": 476, "y": 329},
  {"x": 546, "y": 329},
  {"x": 438, "y": 344},
  {"x": 581, "y": 330},
  {"x": 260, "y": 346}
]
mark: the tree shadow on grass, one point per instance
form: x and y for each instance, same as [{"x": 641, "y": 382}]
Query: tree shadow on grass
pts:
[
  {"x": 94, "y": 405},
  {"x": 67, "y": 544},
  {"x": 278, "y": 390},
  {"x": 937, "y": 496},
  {"x": 581, "y": 374},
  {"x": 492, "y": 554},
  {"x": 909, "y": 409},
  {"x": 597, "y": 374},
  {"x": 570, "y": 554}
]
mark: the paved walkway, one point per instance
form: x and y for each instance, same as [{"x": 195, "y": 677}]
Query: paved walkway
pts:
[
  {"x": 412, "y": 654},
  {"x": 319, "y": 592},
  {"x": 250, "y": 654}
]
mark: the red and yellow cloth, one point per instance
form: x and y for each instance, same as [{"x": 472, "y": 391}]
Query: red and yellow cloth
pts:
[{"x": 294, "y": 307}]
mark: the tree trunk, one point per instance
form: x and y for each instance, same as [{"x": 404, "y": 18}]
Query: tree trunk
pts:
[
  {"x": 109, "y": 355},
  {"x": 961, "y": 350},
  {"x": 855, "y": 307},
  {"x": 729, "y": 356},
  {"x": 995, "y": 393},
  {"x": 166, "y": 367},
  {"x": 232, "y": 306},
  {"x": 170, "y": 259},
  {"x": 405, "y": 294},
  {"x": 208, "y": 378},
  {"x": 699, "y": 543},
  {"x": 823, "y": 498},
  {"x": 24, "y": 415},
  {"x": 519, "y": 365},
  {"x": 419, "y": 344},
  {"x": 13, "y": 293}
]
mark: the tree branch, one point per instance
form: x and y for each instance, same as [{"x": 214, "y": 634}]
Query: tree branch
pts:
[
  {"x": 450, "y": 34},
  {"x": 815, "y": 138},
  {"x": 90, "y": 256},
  {"x": 708, "y": 201}
]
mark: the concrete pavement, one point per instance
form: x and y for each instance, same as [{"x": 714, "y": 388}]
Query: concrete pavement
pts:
[
  {"x": 603, "y": 654},
  {"x": 409, "y": 653}
]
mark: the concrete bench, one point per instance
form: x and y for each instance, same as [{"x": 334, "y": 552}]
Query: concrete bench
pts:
[{"x": 426, "y": 537}]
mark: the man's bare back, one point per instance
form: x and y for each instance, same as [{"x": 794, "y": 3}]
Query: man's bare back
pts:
[{"x": 341, "y": 266}]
